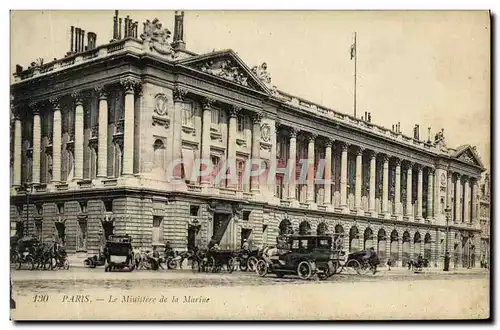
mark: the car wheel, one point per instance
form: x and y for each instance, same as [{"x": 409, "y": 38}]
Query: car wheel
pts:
[
  {"x": 261, "y": 268},
  {"x": 171, "y": 263},
  {"x": 304, "y": 270},
  {"x": 231, "y": 263},
  {"x": 66, "y": 265},
  {"x": 355, "y": 265},
  {"x": 252, "y": 262}
]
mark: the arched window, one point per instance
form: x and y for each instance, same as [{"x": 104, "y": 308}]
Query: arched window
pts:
[{"x": 159, "y": 154}]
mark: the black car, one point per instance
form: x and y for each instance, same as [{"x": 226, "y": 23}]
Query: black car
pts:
[{"x": 302, "y": 255}]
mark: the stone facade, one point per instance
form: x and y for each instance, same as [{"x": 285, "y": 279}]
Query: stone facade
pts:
[{"x": 96, "y": 152}]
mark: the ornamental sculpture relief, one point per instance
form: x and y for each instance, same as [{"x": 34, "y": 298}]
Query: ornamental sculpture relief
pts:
[
  {"x": 225, "y": 69},
  {"x": 265, "y": 132},
  {"x": 161, "y": 103},
  {"x": 261, "y": 72},
  {"x": 467, "y": 157},
  {"x": 156, "y": 37}
]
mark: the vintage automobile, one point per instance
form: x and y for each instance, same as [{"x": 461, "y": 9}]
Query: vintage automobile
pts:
[
  {"x": 118, "y": 253},
  {"x": 302, "y": 255}
]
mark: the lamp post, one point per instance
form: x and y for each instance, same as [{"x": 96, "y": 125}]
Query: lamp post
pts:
[{"x": 447, "y": 253}]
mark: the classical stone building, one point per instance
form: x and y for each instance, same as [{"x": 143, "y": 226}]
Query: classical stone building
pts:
[
  {"x": 94, "y": 132},
  {"x": 484, "y": 218}
]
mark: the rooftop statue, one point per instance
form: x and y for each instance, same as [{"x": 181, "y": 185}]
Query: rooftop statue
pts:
[
  {"x": 261, "y": 72},
  {"x": 156, "y": 37},
  {"x": 439, "y": 139}
]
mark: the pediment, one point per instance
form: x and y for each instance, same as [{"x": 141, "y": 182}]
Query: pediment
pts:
[
  {"x": 468, "y": 154},
  {"x": 228, "y": 66}
]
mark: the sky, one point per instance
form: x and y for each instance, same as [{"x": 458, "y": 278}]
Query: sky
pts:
[{"x": 426, "y": 68}]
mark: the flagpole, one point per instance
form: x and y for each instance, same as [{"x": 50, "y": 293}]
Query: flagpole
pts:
[{"x": 355, "y": 71}]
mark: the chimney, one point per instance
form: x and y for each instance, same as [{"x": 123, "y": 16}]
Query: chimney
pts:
[
  {"x": 82, "y": 38},
  {"x": 19, "y": 69},
  {"x": 369, "y": 117},
  {"x": 90, "y": 40},
  {"x": 119, "y": 29},
  {"x": 416, "y": 134},
  {"x": 135, "y": 29},
  {"x": 72, "y": 35},
  {"x": 178, "y": 41},
  {"x": 125, "y": 27},
  {"x": 393, "y": 128},
  {"x": 115, "y": 26},
  {"x": 76, "y": 39},
  {"x": 399, "y": 127},
  {"x": 429, "y": 134}
]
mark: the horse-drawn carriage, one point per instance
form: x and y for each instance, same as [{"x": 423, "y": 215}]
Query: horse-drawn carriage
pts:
[
  {"x": 213, "y": 260},
  {"x": 30, "y": 251}
]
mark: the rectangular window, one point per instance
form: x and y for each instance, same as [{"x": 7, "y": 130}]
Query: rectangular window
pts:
[
  {"x": 193, "y": 210},
  {"x": 187, "y": 115},
  {"x": 246, "y": 215},
  {"x": 215, "y": 171},
  {"x": 156, "y": 239},
  {"x": 279, "y": 186},
  {"x": 215, "y": 119},
  {"x": 240, "y": 165},
  {"x": 241, "y": 123}
]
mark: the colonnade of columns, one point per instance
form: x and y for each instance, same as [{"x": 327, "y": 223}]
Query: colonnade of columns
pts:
[
  {"x": 408, "y": 196},
  {"x": 130, "y": 87}
]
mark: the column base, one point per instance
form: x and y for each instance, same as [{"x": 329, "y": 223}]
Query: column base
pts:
[
  {"x": 312, "y": 205},
  {"x": 345, "y": 209},
  {"x": 294, "y": 203},
  {"x": 373, "y": 213},
  {"x": 408, "y": 218},
  {"x": 385, "y": 215},
  {"x": 360, "y": 212}
]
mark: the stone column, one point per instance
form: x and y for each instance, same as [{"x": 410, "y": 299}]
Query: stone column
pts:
[
  {"x": 292, "y": 156},
  {"x": 420, "y": 197},
  {"x": 466, "y": 203},
  {"x": 397, "y": 193},
  {"x": 409, "y": 174},
  {"x": 56, "y": 139},
  {"x": 179, "y": 96},
  {"x": 17, "y": 149},
  {"x": 430, "y": 192},
  {"x": 78, "y": 165},
  {"x": 359, "y": 182},
  {"x": 373, "y": 168},
  {"x": 102, "y": 145},
  {"x": 458, "y": 197},
  {"x": 129, "y": 86},
  {"x": 449, "y": 186},
  {"x": 310, "y": 168},
  {"x": 474, "y": 218},
  {"x": 37, "y": 136},
  {"x": 231, "y": 146},
  {"x": 385, "y": 185},
  {"x": 205, "y": 135},
  {"x": 256, "y": 119},
  {"x": 328, "y": 173},
  {"x": 343, "y": 176}
]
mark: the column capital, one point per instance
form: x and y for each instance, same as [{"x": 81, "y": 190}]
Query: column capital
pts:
[
  {"x": 293, "y": 132},
  {"x": 384, "y": 158},
  {"x": 408, "y": 164},
  {"x": 234, "y": 111},
  {"x": 359, "y": 150},
  {"x": 207, "y": 103},
  {"x": 397, "y": 161},
  {"x": 464, "y": 178},
  {"x": 311, "y": 137},
  {"x": 35, "y": 108},
  {"x": 418, "y": 167},
  {"x": 130, "y": 84},
  {"x": 449, "y": 174},
  {"x": 257, "y": 117},
  {"x": 77, "y": 98},
  {"x": 101, "y": 92},
  {"x": 328, "y": 142},
  {"x": 55, "y": 101},
  {"x": 431, "y": 169},
  {"x": 372, "y": 154},
  {"x": 179, "y": 94},
  {"x": 345, "y": 146}
]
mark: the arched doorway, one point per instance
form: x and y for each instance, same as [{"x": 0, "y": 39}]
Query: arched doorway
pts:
[
  {"x": 322, "y": 229},
  {"x": 394, "y": 249},
  {"x": 406, "y": 248},
  {"x": 427, "y": 247},
  {"x": 304, "y": 228},
  {"x": 417, "y": 245},
  {"x": 368, "y": 238},
  {"x": 353, "y": 239},
  {"x": 382, "y": 246},
  {"x": 285, "y": 227}
]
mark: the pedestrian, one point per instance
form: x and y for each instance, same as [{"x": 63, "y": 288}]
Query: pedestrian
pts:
[{"x": 389, "y": 263}]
